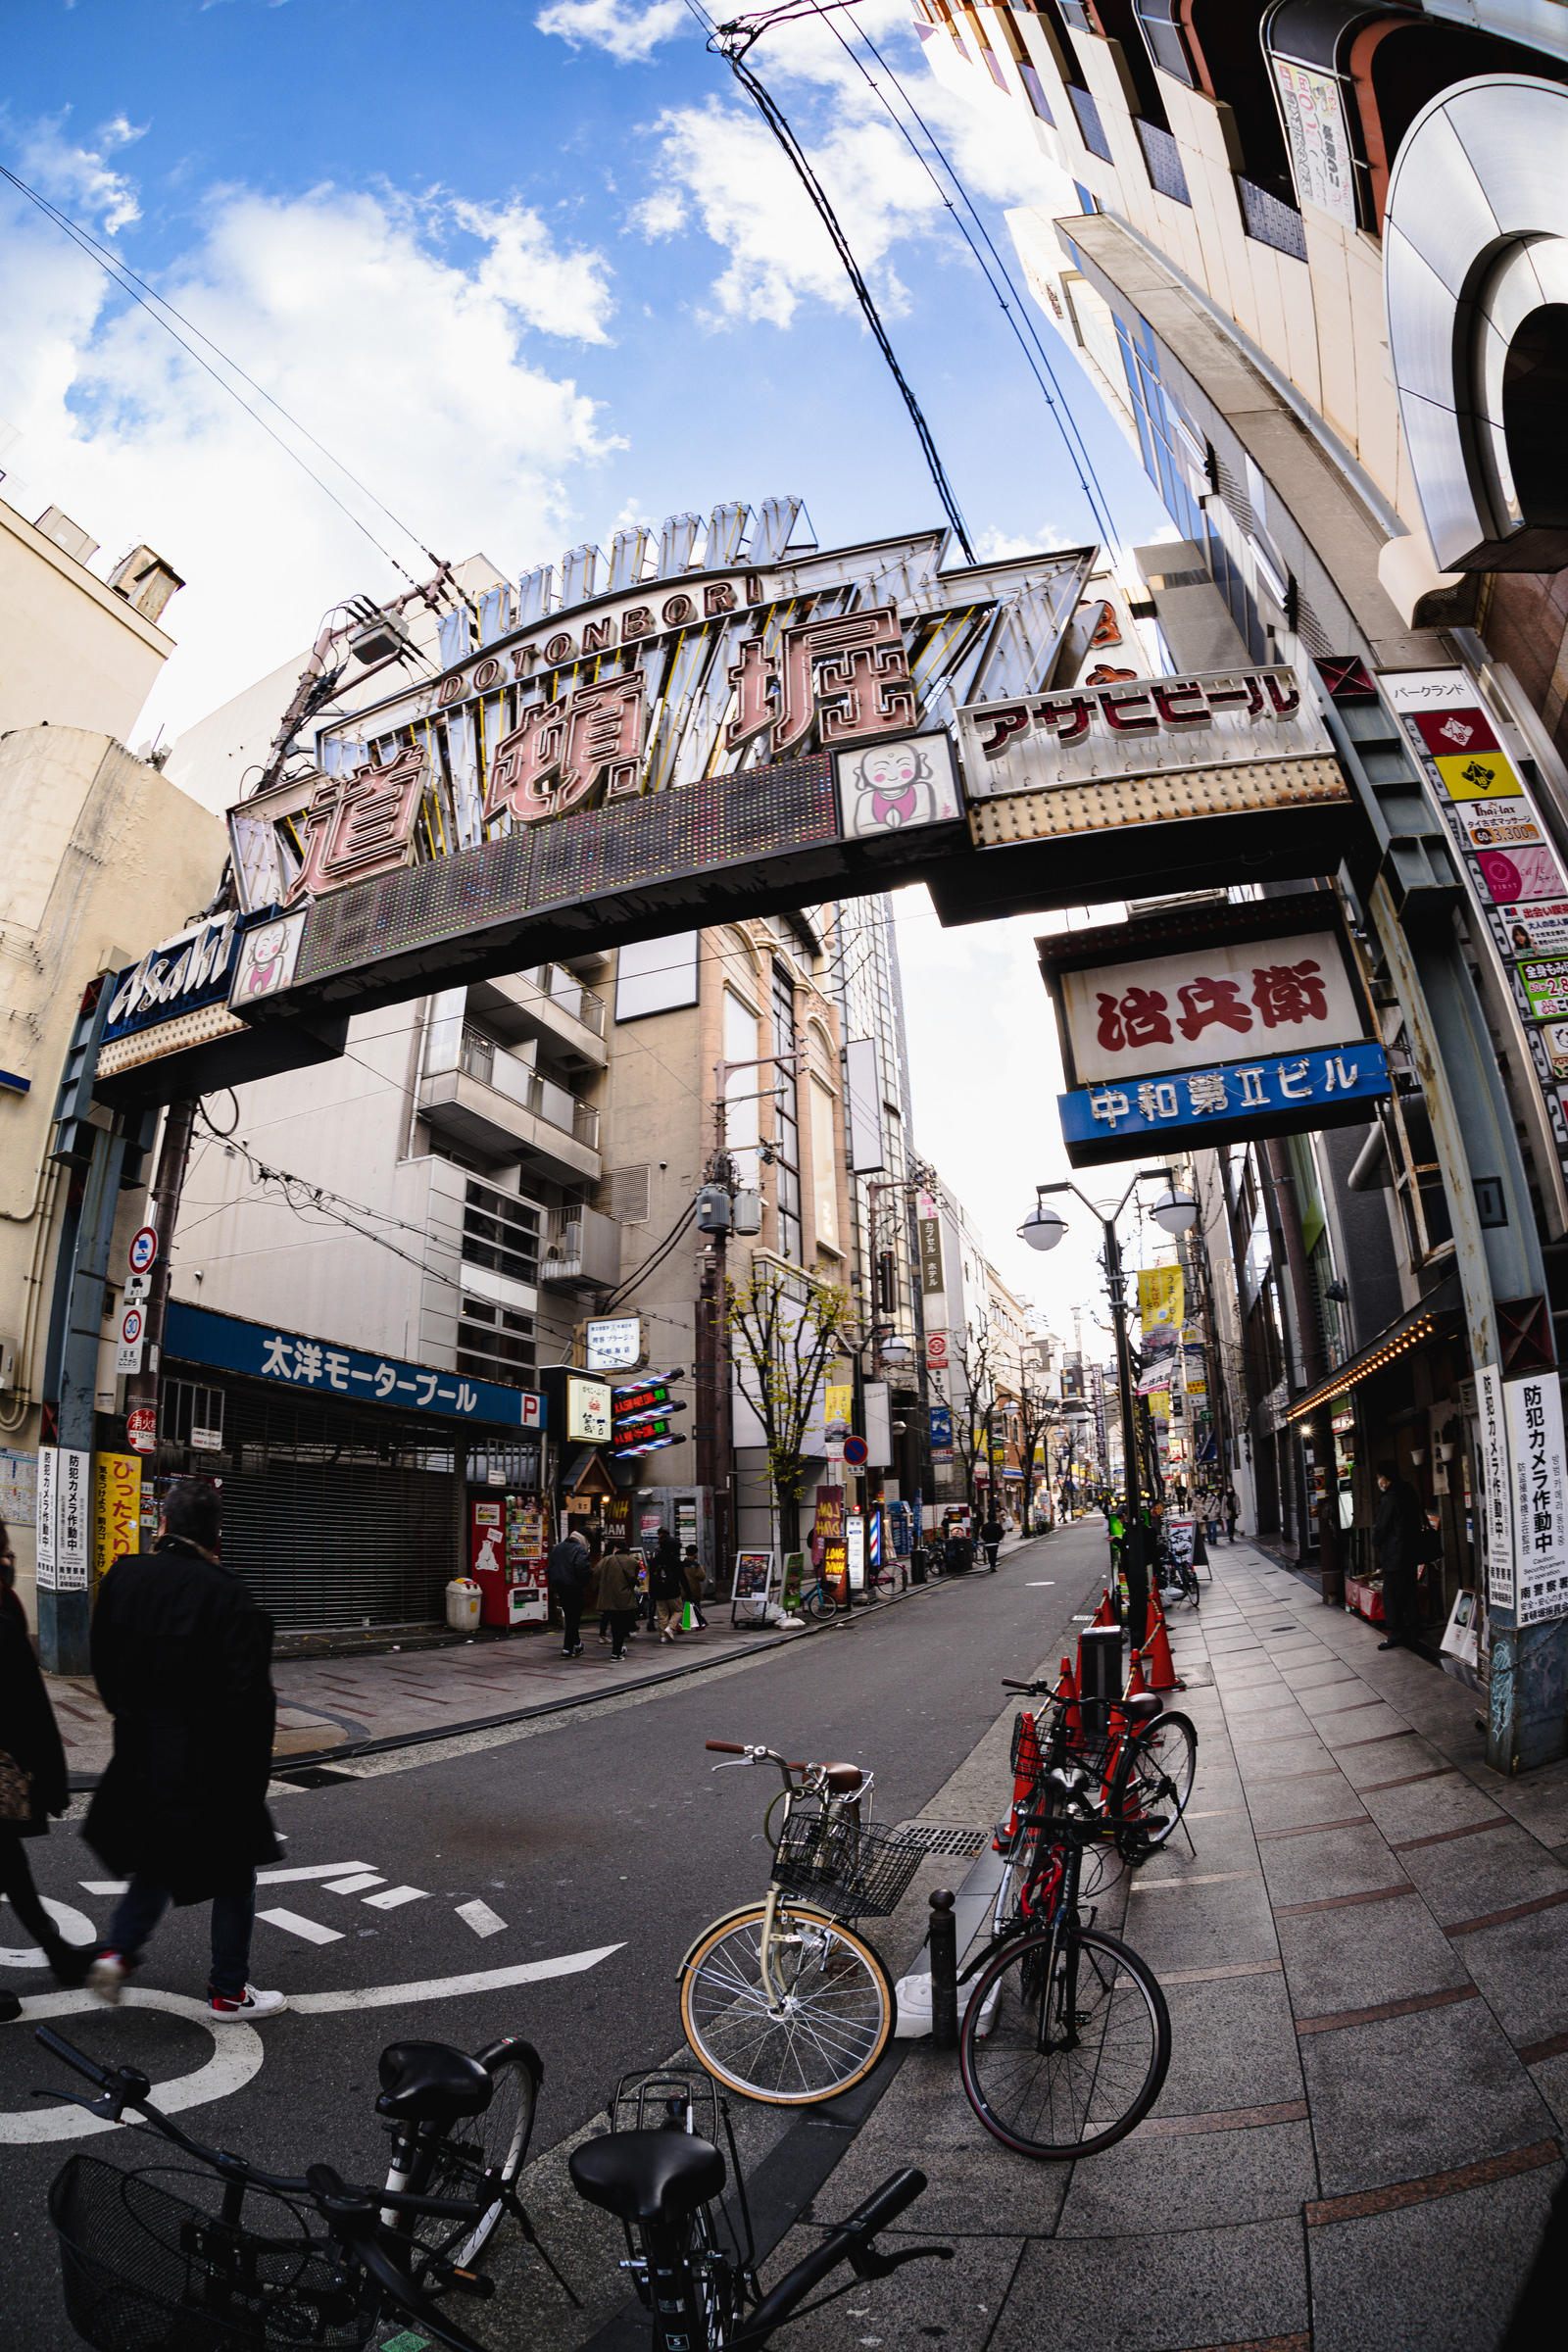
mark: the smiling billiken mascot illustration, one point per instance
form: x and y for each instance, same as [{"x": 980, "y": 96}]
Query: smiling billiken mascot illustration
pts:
[
  {"x": 268, "y": 951},
  {"x": 893, "y": 786}
]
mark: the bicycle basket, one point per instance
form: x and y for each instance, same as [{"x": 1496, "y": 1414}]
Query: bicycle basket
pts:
[
  {"x": 147, "y": 2268},
  {"x": 859, "y": 1870}
]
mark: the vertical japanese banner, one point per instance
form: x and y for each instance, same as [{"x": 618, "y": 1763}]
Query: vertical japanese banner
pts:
[
  {"x": 1497, "y": 1500},
  {"x": 1161, "y": 1298},
  {"x": 74, "y": 1520},
  {"x": 1534, "y": 1413},
  {"x": 116, "y": 1509},
  {"x": 44, "y": 1524}
]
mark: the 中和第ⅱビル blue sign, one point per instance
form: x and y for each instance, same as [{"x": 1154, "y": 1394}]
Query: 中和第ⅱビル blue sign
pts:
[{"x": 1333, "y": 1086}]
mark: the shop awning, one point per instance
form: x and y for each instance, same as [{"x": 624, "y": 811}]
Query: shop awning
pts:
[{"x": 1433, "y": 1318}]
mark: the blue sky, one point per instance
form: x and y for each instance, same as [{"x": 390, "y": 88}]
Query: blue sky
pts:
[{"x": 531, "y": 270}]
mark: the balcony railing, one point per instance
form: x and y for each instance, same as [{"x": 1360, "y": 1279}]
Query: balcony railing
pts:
[
  {"x": 565, "y": 989},
  {"x": 580, "y": 1247},
  {"x": 1164, "y": 161},
  {"x": 480, "y": 1057},
  {"x": 1271, "y": 219}
]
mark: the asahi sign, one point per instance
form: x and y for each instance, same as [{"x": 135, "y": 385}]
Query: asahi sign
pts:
[{"x": 1136, "y": 727}]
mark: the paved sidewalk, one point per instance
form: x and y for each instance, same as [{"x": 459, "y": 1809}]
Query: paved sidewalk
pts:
[{"x": 1364, "y": 1962}]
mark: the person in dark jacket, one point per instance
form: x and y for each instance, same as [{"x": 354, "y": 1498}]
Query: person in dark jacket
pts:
[
  {"x": 30, "y": 1739},
  {"x": 991, "y": 1532},
  {"x": 668, "y": 1586},
  {"x": 182, "y": 1655},
  {"x": 1398, "y": 1536},
  {"x": 618, "y": 1572},
  {"x": 695, "y": 1578},
  {"x": 570, "y": 1568}
]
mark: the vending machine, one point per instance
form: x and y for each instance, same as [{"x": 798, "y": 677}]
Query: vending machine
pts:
[{"x": 507, "y": 1557}]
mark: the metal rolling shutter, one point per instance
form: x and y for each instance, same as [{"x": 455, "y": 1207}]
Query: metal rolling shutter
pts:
[{"x": 334, "y": 1517}]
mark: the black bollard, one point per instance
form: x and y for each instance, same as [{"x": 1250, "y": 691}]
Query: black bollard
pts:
[{"x": 944, "y": 1972}]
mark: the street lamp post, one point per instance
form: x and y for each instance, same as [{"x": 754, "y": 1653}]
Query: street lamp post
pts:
[{"x": 1175, "y": 1212}]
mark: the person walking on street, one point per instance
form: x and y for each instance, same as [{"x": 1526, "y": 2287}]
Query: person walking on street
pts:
[
  {"x": 695, "y": 1578},
  {"x": 568, "y": 1569},
  {"x": 618, "y": 1572},
  {"x": 1233, "y": 1511},
  {"x": 182, "y": 1655},
  {"x": 991, "y": 1532},
  {"x": 1398, "y": 1536},
  {"x": 668, "y": 1586},
  {"x": 33, "y": 1784}
]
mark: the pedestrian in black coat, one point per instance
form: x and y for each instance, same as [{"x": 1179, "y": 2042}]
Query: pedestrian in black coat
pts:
[
  {"x": 570, "y": 1566},
  {"x": 31, "y": 1738},
  {"x": 1398, "y": 1538},
  {"x": 668, "y": 1586},
  {"x": 182, "y": 1655}
]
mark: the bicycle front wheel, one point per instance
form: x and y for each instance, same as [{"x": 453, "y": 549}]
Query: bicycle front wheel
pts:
[
  {"x": 817, "y": 1603},
  {"x": 1157, "y": 1778},
  {"x": 1065, "y": 2043},
  {"x": 835, "y": 2021},
  {"x": 495, "y": 2141}
]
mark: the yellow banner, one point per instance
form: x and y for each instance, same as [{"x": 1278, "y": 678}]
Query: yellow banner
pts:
[
  {"x": 1481, "y": 777},
  {"x": 838, "y": 1404},
  {"x": 116, "y": 1508},
  {"x": 1161, "y": 1298}
]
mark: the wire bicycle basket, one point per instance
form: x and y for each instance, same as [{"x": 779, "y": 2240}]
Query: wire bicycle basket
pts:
[
  {"x": 145, "y": 2267},
  {"x": 859, "y": 1870}
]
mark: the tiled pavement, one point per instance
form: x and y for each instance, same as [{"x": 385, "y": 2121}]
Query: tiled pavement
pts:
[{"x": 1365, "y": 1967}]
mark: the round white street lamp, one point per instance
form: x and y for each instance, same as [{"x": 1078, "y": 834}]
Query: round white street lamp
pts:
[
  {"x": 1175, "y": 1212},
  {"x": 896, "y": 1350},
  {"x": 1042, "y": 1228}
]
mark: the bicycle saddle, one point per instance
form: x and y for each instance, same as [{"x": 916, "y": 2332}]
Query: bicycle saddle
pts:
[
  {"x": 648, "y": 2176},
  {"x": 1144, "y": 1708},
  {"x": 843, "y": 1778},
  {"x": 427, "y": 2082}
]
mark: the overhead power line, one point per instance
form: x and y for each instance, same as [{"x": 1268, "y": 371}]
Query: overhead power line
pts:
[{"x": 155, "y": 306}]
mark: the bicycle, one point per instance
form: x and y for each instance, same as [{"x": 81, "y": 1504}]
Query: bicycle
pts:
[
  {"x": 1066, "y": 2042},
  {"x": 693, "y": 2268},
  {"x": 783, "y": 1999},
  {"x": 1177, "y": 1575},
  {"x": 145, "y": 2260},
  {"x": 143, "y": 2266}
]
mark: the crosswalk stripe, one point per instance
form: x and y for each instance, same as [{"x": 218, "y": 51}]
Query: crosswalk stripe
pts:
[
  {"x": 481, "y": 1918},
  {"x": 392, "y": 1898},
  {"x": 309, "y": 1930},
  {"x": 356, "y": 1885}
]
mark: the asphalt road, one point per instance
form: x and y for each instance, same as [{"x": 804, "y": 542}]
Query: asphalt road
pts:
[{"x": 600, "y": 1832}]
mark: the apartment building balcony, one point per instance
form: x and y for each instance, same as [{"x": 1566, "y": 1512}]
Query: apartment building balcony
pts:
[
  {"x": 495, "y": 1103},
  {"x": 549, "y": 1006},
  {"x": 581, "y": 1251}
]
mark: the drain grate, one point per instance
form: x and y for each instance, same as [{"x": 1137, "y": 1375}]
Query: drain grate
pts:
[{"x": 317, "y": 1776}]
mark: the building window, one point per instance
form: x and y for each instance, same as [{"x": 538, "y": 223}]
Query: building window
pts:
[
  {"x": 494, "y": 1343},
  {"x": 1157, "y": 434},
  {"x": 501, "y": 1233},
  {"x": 1271, "y": 222},
  {"x": 193, "y": 1416},
  {"x": 1164, "y": 160},
  {"x": 1090, "y": 125},
  {"x": 786, "y": 1121},
  {"x": 1037, "y": 92}
]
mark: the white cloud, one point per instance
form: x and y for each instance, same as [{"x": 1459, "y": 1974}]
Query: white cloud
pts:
[
  {"x": 720, "y": 164},
  {"x": 628, "y": 34},
  {"x": 403, "y": 335},
  {"x": 997, "y": 546},
  {"x": 82, "y": 177}
]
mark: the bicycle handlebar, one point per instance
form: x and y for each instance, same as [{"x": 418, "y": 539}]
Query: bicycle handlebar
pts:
[{"x": 726, "y": 1747}]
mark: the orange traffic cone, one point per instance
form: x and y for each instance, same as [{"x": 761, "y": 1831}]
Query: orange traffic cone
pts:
[
  {"x": 1068, "y": 1696},
  {"x": 1104, "y": 1615},
  {"x": 1136, "y": 1684},
  {"x": 1162, "y": 1674}
]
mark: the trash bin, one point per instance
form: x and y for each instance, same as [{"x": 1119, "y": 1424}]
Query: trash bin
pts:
[
  {"x": 462, "y": 1604},
  {"x": 919, "y": 1570}
]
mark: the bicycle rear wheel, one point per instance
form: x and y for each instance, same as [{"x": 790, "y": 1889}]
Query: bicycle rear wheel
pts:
[
  {"x": 836, "y": 2021},
  {"x": 495, "y": 2141},
  {"x": 1157, "y": 1779},
  {"x": 817, "y": 1603},
  {"x": 1077, "y": 2047}
]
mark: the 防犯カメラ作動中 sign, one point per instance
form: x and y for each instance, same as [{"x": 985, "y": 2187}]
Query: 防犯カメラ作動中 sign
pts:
[{"x": 1204, "y": 1028}]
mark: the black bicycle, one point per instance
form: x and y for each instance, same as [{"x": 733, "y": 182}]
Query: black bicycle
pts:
[{"x": 1065, "y": 2042}]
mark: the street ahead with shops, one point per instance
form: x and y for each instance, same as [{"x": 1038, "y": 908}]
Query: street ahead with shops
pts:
[{"x": 1358, "y": 1956}]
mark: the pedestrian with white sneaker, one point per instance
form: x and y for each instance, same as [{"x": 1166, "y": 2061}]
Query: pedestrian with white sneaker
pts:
[{"x": 182, "y": 1658}]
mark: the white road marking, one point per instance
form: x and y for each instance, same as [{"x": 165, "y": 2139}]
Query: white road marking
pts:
[
  {"x": 394, "y": 1896},
  {"x": 315, "y": 1870},
  {"x": 1039, "y": 1584},
  {"x": 294, "y": 1923},
  {"x": 356, "y": 1885},
  {"x": 481, "y": 1918},
  {"x": 445, "y": 1989},
  {"x": 75, "y": 1925},
  {"x": 104, "y": 1885},
  {"x": 237, "y": 2055}
]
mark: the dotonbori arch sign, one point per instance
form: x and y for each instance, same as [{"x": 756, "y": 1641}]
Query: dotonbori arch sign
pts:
[{"x": 743, "y": 737}]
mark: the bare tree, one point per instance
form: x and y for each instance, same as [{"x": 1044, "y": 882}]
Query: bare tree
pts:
[
  {"x": 787, "y": 1332},
  {"x": 971, "y": 1417},
  {"x": 1035, "y": 1410}
]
